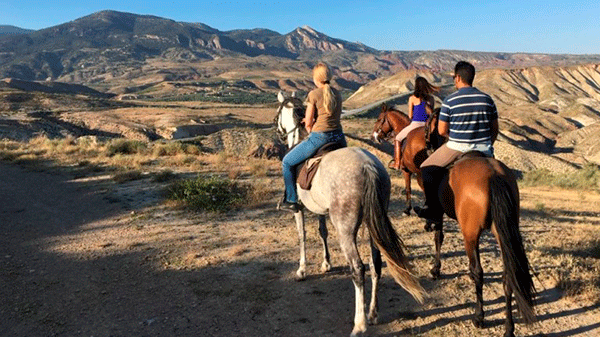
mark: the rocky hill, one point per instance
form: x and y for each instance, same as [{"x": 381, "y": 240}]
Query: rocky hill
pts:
[{"x": 112, "y": 50}]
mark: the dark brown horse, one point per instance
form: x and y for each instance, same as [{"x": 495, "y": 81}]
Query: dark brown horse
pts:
[
  {"x": 414, "y": 150},
  {"x": 482, "y": 193}
]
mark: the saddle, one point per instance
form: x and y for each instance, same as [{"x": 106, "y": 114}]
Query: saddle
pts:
[
  {"x": 306, "y": 171},
  {"x": 466, "y": 155}
]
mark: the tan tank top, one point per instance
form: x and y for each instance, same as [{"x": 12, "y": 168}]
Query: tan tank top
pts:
[{"x": 325, "y": 121}]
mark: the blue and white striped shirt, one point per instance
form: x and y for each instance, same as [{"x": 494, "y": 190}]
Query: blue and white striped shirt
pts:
[{"x": 469, "y": 114}]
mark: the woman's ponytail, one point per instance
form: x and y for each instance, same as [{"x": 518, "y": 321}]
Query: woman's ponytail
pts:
[{"x": 322, "y": 74}]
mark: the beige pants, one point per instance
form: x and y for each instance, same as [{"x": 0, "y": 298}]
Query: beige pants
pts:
[
  {"x": 442, "y": 157},
  {"x": 404, "y": 132}
]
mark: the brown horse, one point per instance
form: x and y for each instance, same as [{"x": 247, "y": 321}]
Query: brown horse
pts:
[
  {"x": 482, "y": 193},
  {"x": 414, "y": 150}
]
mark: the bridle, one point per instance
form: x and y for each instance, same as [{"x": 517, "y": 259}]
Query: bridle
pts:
[
  {"x": 298, "y": 114},
  {"x": 385, "y": 122}
]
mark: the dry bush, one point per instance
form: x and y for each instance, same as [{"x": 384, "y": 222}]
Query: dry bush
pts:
[
  {"x": 258, "y": 167},
  {"x": 192, "y": 149},
  {"x": 123, "y": 177},
  {"x": 577, "y": 272},
  {"x": 262, "y": 190},
  {"x": 234, "y": 173},
  {"x": 127, "y": 161},
  {"x": 168, "y": 149},
  {"x": 125, "y": 146},
  {"x": 588, "y": 177},
  {"x": 163, "y": 176}
]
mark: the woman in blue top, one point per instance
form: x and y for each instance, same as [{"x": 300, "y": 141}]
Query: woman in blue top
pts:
[{"x": 420, "y": 106}]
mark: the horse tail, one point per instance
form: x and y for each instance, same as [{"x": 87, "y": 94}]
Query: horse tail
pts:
[
  {"x": 505, "y": 216},
  {"x": 383, "y": 234}
]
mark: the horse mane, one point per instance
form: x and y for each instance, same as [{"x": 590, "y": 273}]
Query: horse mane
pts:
[
  {"x": 299, "y": 111},
  {"x": 430, "y": 126},
  {"x": 395, "y": 111}
]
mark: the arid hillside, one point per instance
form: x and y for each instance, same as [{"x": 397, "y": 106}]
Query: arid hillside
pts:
[{"x": 554, "y": 110}]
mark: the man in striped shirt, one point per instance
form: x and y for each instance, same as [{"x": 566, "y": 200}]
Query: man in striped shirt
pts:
[{"x": 469, "y": 119}]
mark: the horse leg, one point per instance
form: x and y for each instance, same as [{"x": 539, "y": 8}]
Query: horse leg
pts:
[
  {"x": 358, "y": 278},
  {"x": 408, "y": 189},
  {"x": 437, "y": 264},
  {"x": 326, "y": 265},
  {"x": 509, "y": 324},
  {"x": 476, "y": 274},
  {"x": 375, "y": 268},
  {"x": 347, "y": 224},
  {"x": 420, "y": 180},
  {"x": 301, "y": 272}
]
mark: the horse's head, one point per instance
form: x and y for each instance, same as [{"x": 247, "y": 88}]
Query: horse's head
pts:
[
  {"x": 432, "y": 136},
  {"x": 289, "y": 118},
  {"x": 382, "y": 127}
]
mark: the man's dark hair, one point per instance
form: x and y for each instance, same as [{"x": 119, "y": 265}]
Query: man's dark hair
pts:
[{"x": 466, "y": 71}]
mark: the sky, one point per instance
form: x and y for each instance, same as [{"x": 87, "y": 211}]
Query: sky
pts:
[{"x": 529, "y": 26}]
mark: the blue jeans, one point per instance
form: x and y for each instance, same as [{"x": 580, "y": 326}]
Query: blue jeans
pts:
[{"x": 299, "y": 153}]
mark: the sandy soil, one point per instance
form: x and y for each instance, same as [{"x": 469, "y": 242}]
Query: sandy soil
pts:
[{"x": 85, "y": 257}]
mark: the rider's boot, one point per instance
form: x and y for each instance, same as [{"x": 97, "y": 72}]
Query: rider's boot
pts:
[
  {"x": 395, "y": 164},
  {"x": 284, "y": 205},
  {"x": 432, "y": 211},
  {"x": 289, "y": 206}
]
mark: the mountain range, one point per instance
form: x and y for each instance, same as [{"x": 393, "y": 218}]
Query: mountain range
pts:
[
  {"x": 12, "y": 30},
  {"x": 124, "y": 52}
]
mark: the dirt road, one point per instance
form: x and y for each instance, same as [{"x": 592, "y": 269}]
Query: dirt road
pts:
[{"x": 79, "y": 258}]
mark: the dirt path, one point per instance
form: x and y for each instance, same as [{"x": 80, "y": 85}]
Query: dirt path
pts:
[{"x": 79, "y": 259}]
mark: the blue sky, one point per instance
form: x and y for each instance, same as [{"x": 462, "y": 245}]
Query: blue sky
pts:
[{"x": 558, "y": 27}]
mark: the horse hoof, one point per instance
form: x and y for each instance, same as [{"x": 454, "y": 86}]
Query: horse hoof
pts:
[
  {"x": 478, "y": 322},
  {"x": 325, "y": 267},
  {"x": 435, "y": 273},
  {"x": 300, "y": 275},
  {"x": 358, "y": 330},
  {"x": 372, "y": 319}
]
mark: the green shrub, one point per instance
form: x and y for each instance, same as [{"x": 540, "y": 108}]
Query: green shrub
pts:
[
  {"x": 211, "y": 193},
  {"x": 125, "y": 146},
  {"x": 588, "y": 177}
]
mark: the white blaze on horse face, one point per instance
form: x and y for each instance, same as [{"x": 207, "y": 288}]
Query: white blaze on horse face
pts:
[{"x": 376, "y": 136}]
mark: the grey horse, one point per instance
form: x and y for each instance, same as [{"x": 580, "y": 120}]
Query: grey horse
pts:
[{"x": 351, "y": 185}]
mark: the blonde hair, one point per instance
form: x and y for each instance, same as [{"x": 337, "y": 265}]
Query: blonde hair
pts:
[{"x": 322, "y": 74}]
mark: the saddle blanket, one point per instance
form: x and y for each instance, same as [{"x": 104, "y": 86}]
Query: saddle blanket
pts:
[{"x": 306, "y": 171}]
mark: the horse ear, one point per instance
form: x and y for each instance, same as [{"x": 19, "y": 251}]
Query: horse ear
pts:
[{"x": 280, "y": 97}]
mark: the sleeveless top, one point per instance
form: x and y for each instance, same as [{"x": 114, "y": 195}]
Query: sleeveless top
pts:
[
  {"x": 419, "y": 112},
  {"x": 325, "y": 122}
]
